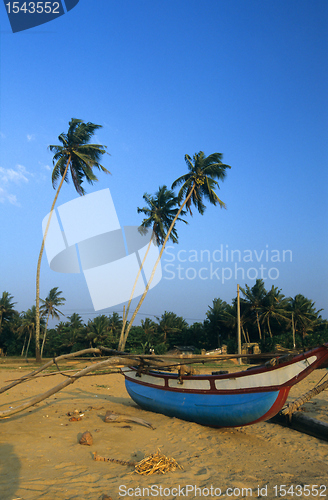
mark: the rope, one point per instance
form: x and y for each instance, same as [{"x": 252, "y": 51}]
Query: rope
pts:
[{"x": 292, "y": 407}]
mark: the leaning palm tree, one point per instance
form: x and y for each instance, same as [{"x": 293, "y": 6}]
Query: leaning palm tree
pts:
[
  {"x": 49, "y": 308},
  {"x": 160, "y": 212},
  {"x": 77, "y": 154},
  {"x": 198, "y": 184}
]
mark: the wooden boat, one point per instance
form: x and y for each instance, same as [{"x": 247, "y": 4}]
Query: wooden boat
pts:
[{"x": 225, "y": 400}]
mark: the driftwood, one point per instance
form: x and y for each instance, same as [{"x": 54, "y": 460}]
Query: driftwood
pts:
[
  {"x": 50, "y": 363},
  {"x": 68, "y": 380},
  {"x": 112, "y": 417}
]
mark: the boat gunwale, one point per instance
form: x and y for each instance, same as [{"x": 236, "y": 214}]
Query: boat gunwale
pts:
[{"x": 323, "y": 350}]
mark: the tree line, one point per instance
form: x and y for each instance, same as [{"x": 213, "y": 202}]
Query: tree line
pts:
[{"x": 266, "y": 317}]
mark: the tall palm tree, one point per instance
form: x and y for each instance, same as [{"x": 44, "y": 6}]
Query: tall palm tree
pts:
[
  {"x": 160, "y": 212},
  {"x": 7, "y": 310},
  {"x": 77, "y": 154},
  {"x": 49, "y": 308},
  {"x": 198, "y": 184}
]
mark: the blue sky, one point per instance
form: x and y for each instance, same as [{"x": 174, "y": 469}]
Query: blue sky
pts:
[{"x": 245, "y": 78}]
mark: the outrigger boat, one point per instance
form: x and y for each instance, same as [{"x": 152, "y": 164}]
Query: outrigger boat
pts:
[{"x": 224, "y": 400}]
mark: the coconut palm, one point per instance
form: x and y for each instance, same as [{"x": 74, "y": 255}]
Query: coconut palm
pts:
[
  {"x": 115, "y": 324},
  {"x": 305, "y": 316},
  {"x": 198, "y": 184},
  {"x": 216, "y": 317},
  {"x": 7, "y": 310},
  {"x": 160, "y": 212},
  {"x": 274, "y": 308},
  {"x": 28, "y": 323},
  {"x": 77, "y": 154},
  {"x": 97, "y": 330},
  {"x": 149, "y": 327},
  {"x": 74, "y": 331},
  {"x": 254, "y": 297},
  {"x": 49, "y": 308}
]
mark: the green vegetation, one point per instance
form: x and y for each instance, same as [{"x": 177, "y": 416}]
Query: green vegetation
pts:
[{"x": 267, "y": 317}]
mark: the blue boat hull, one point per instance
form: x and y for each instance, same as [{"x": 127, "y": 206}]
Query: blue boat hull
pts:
[
  {"x": 222, "y": 400},
  {"x": 230, "y": 410}
]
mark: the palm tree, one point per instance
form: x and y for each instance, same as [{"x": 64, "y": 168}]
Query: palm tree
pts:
[
  {"x": 216, "y": 316},
  {"x": 49, "y": 308},
  {"x": 74, "y": 331},
  {"x": 7, "y": 310},
  {"x": 167, "y": 324},
  {"x": 98, "y": 329},
  {"x": 28, "y": 326},
  {"x": 76, "y": 153},
  {"x": 197, "y": 184},
  {"x": 115, "y": 324},
  {"x": 254, "y": 297},
  {"x": 160, "y": 212},
  {"x": 305, "y": 316},
  {"x": 274, "y": 307},
  {"x": 149, "y": 327}
]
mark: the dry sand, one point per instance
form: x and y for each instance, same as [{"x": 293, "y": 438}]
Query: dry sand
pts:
[{"x": 41, "y": 458}]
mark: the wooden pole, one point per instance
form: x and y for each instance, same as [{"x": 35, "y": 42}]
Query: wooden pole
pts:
[
  {"x": 238, "y": 323},
  {"x": 293, "y": 326}
]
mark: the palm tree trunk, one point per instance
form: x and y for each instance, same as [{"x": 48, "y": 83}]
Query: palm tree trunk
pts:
[
  {"x": 269, "y": 328},
  {"x": 258, "y": 325},
  {"x": 122, "y": 346},
  {"x": 44, "y": 337},
  {"x": 37, "y": 311},
  {"x": 28, "y": 345},
  {"x": 125, "y": 315},
  {"x": 22, "y": 353}
]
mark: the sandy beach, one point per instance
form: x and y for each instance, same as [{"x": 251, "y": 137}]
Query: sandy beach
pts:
[{"x": 41, "y": 458}]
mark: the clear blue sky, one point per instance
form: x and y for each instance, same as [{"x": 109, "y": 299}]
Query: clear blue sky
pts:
[{"x": 246, "y": 78}]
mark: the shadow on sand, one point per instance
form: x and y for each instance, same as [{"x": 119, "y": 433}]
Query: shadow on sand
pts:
[{"x": 9, "y": 472}]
